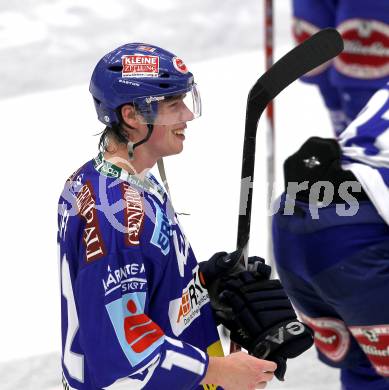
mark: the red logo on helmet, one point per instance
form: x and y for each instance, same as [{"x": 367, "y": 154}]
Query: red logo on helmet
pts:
[
  {"x": 140, "y": 66},
  {"x": 180, "y": 65},
  {"x": 366, "y": 49}
]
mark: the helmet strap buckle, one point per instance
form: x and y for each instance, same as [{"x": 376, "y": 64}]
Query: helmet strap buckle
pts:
[{"x": 130, "y": 150}]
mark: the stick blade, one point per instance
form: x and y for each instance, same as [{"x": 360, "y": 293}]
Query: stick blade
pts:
[{"x": 319, "y": 48}]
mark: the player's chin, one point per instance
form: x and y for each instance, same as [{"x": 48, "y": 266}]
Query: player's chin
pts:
[{"x": 176, "y": 149}]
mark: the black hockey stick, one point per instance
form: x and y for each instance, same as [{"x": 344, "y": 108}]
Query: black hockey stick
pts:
[
  {"x": 313, "y": 52},
  {"x": 320, "y": 48}
]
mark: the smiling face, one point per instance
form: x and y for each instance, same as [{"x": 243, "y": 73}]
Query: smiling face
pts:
[
  {"x": 168, "y": 133},
  {"x": 168, "y": 139}
]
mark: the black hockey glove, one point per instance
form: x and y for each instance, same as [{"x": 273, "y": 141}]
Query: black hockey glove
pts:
[
  {"x": 263, "y": 320},
  {"x": 220, "y": 267}
]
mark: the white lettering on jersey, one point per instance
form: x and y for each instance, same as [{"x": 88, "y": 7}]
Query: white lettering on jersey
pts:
[
  {"x": 64, "y": 220},
  {"x": 177, "y": 359},
  {"x": 181, "y": 245}
]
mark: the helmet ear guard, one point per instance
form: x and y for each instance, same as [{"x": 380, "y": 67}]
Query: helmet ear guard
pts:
[{"x": 106, "y": 115}]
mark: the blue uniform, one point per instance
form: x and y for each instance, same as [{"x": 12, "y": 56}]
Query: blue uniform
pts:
[
  {"x": 334, "y": 263},
  {"x": 134, "y": 312},
  {"x": 348, "y": 82}
]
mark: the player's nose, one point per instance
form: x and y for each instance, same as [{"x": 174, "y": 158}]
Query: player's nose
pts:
[{"x": 186, "y": 114}]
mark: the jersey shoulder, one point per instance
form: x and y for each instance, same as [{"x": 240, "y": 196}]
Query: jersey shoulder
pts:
[{"x": 114, "y": 211}]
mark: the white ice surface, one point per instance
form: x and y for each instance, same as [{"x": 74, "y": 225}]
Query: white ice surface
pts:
[{"x": 46, "y": 136}]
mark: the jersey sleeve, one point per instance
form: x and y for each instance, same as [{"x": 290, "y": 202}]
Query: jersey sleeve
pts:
[
  {"x": 365, "y": 145},
  {"x": 120, "y": 340}
]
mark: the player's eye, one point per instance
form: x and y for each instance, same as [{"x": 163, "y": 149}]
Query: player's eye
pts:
[{"x": 174, "y": 104}]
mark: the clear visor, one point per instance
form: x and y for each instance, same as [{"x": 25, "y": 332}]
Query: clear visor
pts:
[{"x": 184, "y": 106}]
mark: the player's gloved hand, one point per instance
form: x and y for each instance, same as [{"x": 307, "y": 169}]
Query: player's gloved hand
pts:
[
  {"x": 222, "y": 264},
  {"x": 220, "y": 267},
  {"x": 262, "y": 319}
]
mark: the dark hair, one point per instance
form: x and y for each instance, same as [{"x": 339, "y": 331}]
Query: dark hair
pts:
[{"x": 115, "y": 131}]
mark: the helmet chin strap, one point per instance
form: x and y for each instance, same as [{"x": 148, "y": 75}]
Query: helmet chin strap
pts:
[
  {"x": 161, "y": 166},
  {"x": 131, "y": 146}
]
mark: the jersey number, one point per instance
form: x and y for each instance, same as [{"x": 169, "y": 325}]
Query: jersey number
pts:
[{"x": 178, "y": 359}]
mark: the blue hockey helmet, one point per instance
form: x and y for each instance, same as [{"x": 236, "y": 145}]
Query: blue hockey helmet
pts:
[{"x": 142, "y": 75}]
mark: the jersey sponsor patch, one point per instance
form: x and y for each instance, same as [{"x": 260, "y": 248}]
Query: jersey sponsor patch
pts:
[
  {"x": 303, "y": 30},
  {"x": 129, "y": 277},
  {"x": 106, "y": 168},
  {"x": 185, "y": 309},
  {"x": 91, "y": 237},
  {"x": 162, "y": 230},
  {"x": 133, "y": 214},
  {"x": 366, "y": 49},
  {"x": 181, "y": 246},
  {"x": 331, "y": 336},
  {"x": 374, "y": 341},
  {"x": 137, "y": 334},
  {"x": 180, "y": 65},
  {"x": 140, "y": 66}
]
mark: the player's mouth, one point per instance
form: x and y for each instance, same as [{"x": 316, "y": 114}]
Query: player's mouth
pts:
[{"x": 180, "y": 133}]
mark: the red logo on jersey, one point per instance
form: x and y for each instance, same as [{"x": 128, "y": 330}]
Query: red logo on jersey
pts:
[
  {"x": 303, "y": 30},
  {"x": 133, "y": 214},
  {"x": 332, "y": 338},
  {"x": 366, "y": 49},
  {"x": 140, "y": 331},
  {"x": 140, "y": 66},
  {"x": 185, "y": 306},
  {"x": 92, "y": 239},
  {"x": 180, "y": 65},
  {"x": 374, "y": 341}
]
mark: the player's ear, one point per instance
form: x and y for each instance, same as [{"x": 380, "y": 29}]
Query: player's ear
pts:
[{"x": 129, "y": 117}]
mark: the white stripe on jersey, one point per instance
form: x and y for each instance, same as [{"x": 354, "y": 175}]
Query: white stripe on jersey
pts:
[{"x": 366, "y": 143}]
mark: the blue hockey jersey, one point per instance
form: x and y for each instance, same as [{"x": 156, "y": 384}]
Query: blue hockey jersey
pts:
[
  {"x": 364, "y": 26},
  {"x": 134, "y": 312},
  {"x": 334, "y": 265}
]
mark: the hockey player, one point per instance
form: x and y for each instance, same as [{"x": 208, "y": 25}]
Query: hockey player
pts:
[
  {"x": 135, "y": 308},
  {"x": 347, "y": 82},
  {"x": 332, "y": 256}
]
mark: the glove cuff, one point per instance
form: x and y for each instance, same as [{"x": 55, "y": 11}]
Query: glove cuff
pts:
[{"x": 281, "y": 335}]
